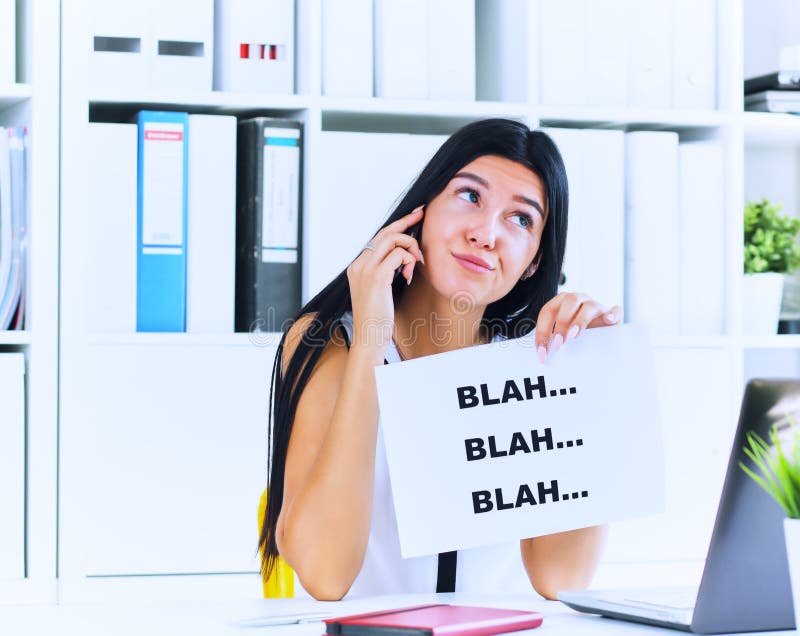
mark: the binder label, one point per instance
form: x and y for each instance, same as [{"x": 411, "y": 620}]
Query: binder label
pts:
[
  {"x": 281, "y": 178},
  {"x": 162, "y": 184}
]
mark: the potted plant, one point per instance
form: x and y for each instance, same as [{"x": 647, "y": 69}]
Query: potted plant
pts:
[
  {"x": 770, "y": 251},
  {"x": 778, "y": 473}
]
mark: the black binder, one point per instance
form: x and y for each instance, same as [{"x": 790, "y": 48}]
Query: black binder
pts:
[{"x": 268, "y": 223}]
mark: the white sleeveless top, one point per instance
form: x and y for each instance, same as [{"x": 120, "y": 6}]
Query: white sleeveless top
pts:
[{"x": 478, "y": 570}]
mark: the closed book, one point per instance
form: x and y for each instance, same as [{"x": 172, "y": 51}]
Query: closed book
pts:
[
  {"x": 161, "y": 231},
  {"x": 347, "y": 48},
  {"x": 111, "y": 284},
  {"x": 451, "y": 50},
  {"x": 782, "y": 80},
  {"x": 432, "y": 620},
  {"x": 268, "y": 224},
  {"x": 702, "y": 261},
  {"x": 651, "y": 232},
  {"x": 211, "y": 231},
  {"x": 12, "y": 466},
  {"x": 401, "y": 49}
]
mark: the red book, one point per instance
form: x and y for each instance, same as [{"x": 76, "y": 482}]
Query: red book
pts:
[{"x": 434, "y": 620}]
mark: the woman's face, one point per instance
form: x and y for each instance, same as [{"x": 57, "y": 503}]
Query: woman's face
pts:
[{"x": 493, "y": 209}]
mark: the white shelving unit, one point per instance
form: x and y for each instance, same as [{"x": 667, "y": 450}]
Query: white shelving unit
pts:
[
  {"x": 32, "y": 102},
  {"x": 142, "y": 469}
]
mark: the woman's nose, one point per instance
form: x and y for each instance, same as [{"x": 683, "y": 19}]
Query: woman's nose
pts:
[{"x": 483, "y": 234}]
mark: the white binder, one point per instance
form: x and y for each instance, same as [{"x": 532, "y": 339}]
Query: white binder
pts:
[
  {"x": 386, "y": 164},
  {"x": 211, "y": 226},
  {"x": 694, "y": 55},
  {"x": 12, "y": 466},
  {"x": 702, "y": 261},
  {"x": 118, "y": 41},
  {"x": 651, "y": 231},
  {"x": 401, "y": 49},
  {"x": 451, "y": 49},
  {"x": 111, "y": 264},
  {"x": 606, "y": 77},
  {"x": 8, "y": 42},
  {"x": 650, "y": 28},
  {"x": 562, "y": 61},
  {"x": 503, "y": 54},
  {"x": 347, "y": 48},
  {"x": 254, "y": 46},
  {"x": 594, "y": 161},
  {"x": 180, "y": 48}
]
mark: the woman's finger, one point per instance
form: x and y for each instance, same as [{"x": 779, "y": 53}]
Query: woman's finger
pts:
[
  {"x": 386, "y": 244},
  {"x": 401, "y": 224},
  {"x": 587, "y": 312},
  {"x": 611, "y": 317}
]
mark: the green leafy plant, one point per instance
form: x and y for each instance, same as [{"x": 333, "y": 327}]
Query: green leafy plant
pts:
[
  {"x": 779, "y": 471},
  {"x": 770, "y": 239}
]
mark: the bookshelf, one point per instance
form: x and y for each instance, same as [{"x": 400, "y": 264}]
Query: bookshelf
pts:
[
  {"x": 32, "y": 102},
  {"x": 123, "y": 472}
]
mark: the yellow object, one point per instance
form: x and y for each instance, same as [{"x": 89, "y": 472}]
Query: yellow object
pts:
[{"x": 280, "y": 583}]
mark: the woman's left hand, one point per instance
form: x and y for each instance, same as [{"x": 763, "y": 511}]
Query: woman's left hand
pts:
[{"x": 564, "y": 318}]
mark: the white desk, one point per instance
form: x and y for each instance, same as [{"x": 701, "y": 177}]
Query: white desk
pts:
[{"x": 220, "y": 618}]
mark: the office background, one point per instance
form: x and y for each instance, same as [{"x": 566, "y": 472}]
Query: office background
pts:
[{"x": 136, "y": 466}]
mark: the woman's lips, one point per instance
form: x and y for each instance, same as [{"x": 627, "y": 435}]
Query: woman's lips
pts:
[{"x": 473, "y": 267}]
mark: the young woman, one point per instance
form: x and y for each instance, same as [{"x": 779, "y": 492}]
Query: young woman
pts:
[{"x": 472, "y": 253}]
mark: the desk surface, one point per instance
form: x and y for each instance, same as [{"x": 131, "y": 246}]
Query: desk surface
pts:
[{"x": 155, "y": 618}]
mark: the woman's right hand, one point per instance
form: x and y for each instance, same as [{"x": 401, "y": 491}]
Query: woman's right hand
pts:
[{"x": 371, "y": 274}]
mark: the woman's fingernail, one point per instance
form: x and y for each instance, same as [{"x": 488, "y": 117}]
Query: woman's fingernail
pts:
[
  {"x": 410, "y": 276},
  {"x": 573, "y": 332},
  {"x": 422, "y": 258},
  {"x": 557, "y": 342},
  {"x": 611, "y": 317},
  {"x": 541, "y": 352}
]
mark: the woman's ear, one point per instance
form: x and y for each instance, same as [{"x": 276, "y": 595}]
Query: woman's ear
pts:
[{"x": 531, "y": 268}]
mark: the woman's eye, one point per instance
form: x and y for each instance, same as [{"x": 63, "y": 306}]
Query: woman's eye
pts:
[
  {"x": 525, "y": 220},
  {"x": 472, "y": 196}
]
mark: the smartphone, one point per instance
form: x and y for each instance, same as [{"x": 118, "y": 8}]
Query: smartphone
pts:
[{"x": 413, "y": 232}]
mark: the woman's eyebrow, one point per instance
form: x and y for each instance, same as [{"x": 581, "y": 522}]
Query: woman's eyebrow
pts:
[{"x": 517, "y": 197}]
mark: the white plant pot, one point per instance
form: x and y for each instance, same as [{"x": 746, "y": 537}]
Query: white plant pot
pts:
[
  {"x": 791, "y": 530},
  {"x": 762, "y": 295}
]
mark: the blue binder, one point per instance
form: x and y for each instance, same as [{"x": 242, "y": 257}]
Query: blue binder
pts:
[{"x": 161, "y": 225}]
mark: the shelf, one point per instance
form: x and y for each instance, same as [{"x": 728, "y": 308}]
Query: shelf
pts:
[
  {"x": 210, "y": 101},
  {"x": 691, "y": 342},
  {"x": 265, "y": 340},
  {"x": 573, "y": 116},
  {"x": 771, "y": 128},
  {"x": 771, "y": 342},
  {"x": 14, "y": 94},
  {"x": 15, "y": 337},
  {"x": 423, "y": 107}
]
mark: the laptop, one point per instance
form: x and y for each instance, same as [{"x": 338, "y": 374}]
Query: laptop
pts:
[{"x": 745, "y": 584}]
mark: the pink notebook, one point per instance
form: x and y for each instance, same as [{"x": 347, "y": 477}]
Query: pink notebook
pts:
[{"x": 433, "y": 620}]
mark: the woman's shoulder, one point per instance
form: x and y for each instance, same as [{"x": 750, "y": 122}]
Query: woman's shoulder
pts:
[{"x": 335, "y": 347}]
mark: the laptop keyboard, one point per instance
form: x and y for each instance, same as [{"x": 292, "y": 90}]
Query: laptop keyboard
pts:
[{"x": 679, "y": 598}]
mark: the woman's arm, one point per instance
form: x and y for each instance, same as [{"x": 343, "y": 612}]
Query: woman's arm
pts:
[
  {"x": 323, "y": 527},
  {"x": 564, "y": 560}
]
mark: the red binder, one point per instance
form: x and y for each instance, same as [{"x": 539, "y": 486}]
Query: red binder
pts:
[{"x": 434, "y": 620}]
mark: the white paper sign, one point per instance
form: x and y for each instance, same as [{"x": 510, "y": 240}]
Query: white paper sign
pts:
[{"x": 486, "y": 444}]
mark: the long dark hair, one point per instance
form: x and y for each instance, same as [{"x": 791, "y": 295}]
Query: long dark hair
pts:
[{"x": 512, "y": 316}]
